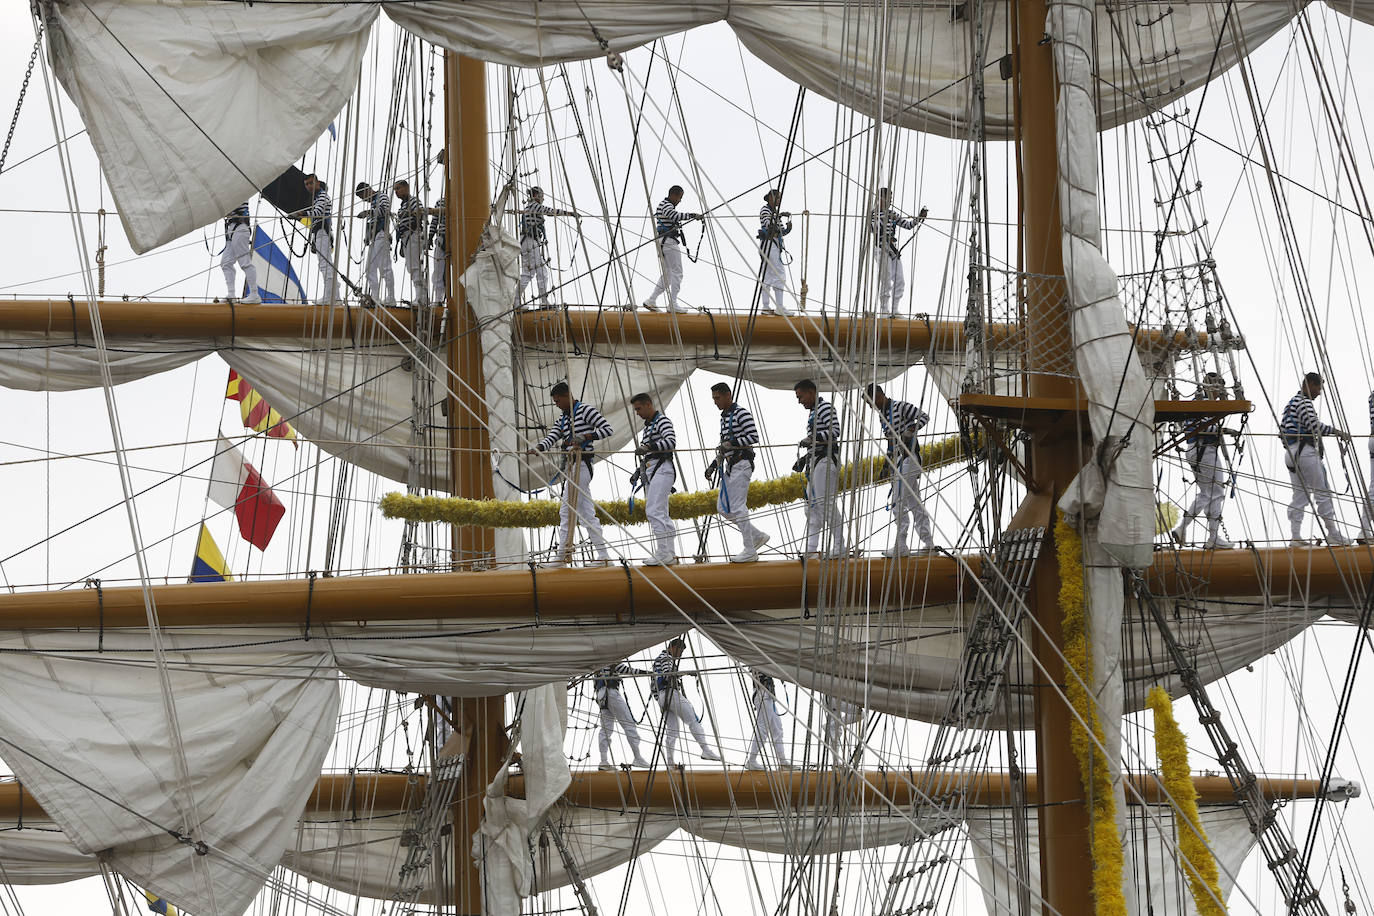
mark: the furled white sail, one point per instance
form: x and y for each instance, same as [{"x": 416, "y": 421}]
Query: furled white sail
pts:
[{"x": 192, "y": 105}]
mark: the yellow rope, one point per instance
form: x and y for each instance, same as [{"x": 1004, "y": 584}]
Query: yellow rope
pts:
[
  {"x": 1198, "y": 861},
  {"x": 542, "y": 513},
  {"x": 1108, "y": 858}
]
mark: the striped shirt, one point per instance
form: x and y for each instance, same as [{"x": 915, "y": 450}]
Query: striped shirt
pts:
[
  {"x": 239, "y": 216},
  {"x": 378, "y": 216},
  {"x": 438, "y": 228},
  {"x": 410, "y": 217},
  {"x": 771, "y": 226},
  {"x": 532, "y": 221},
  {"x": 762, "y": 682},
  {"x": 823, "y": 426},
  {"x": 609, "y": 678},
  {"x": 901, "y": 420},
  {"x": 582, "y": 420},
  {"x": 665, "y": 673},
  {"x": 319, "y": 211},
  {"x": 737, "y": 427},
  {"x": 659, "y": 435},
  {"x": 668, "y": 221},
  {"x": 1202, "y": 432},
  {"x": 883, "y": 225},
  {"x": 1300, "y": 425}
]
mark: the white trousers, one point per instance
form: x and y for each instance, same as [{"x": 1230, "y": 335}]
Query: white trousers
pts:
[
  {"x": 1307, "y": 475},
  {"x": 616, "y": 711},
  {"x": 1367, "y": 513},
  {"x": 324, "y": 257},
  {"x": 733, "y": 501},
  {"x": 823, "y": 507},
  {"x": 534, "y": 265},
  {"x": 438, "y": 276},
  {"x": 676, "y": 713},
  {"x": 840, "y": 714},
  {"x": 767, "y": 726},
  {"x": 238, "y": 249},
  {"x": 379, "y": 270},
  {"x": 906, "y": 501},
  {"x": 1210, "y": 474},
  {"x": 577, "y": 489},
  {"x": 415, "y": 267},
  {"x": 656, "y": 493},
  {"x": 671, "y": 280},
  {"x": 774, "y": 278},
  {"x": 891, "y": 282}
]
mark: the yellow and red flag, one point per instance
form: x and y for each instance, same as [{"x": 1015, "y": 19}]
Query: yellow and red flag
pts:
[{"x": 257, "y": 414}]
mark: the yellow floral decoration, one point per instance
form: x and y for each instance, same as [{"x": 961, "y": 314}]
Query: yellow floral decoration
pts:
[
  {"x": 1108, "y": 857},
  {"x": 542, "y": 513},
  {"x": 1198, "y": 861}
]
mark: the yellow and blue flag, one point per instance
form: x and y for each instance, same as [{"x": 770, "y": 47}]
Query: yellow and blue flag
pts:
[
  {"x": 158, "y": 905},
  {"x": 208, "y": 566}
]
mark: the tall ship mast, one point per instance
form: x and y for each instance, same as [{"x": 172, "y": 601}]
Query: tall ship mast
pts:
[{"x": 1033, "y": 702}]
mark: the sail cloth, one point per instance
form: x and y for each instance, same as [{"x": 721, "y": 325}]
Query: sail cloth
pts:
[{"x": 176, "y": 93}]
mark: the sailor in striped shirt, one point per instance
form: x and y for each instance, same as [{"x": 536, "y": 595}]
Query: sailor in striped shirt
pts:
[
  {"x": 410, "y": 233},
  {"x": 767, "y": 723},
  {"x": 900, "y": 421},
  {"x": 677, "y": 710},
  {"x": 534, "y": 258},
  {"x": 610, "y": 700},
  {"x": 321, "y": 233},
  {"x": 822, "y": 467},
  {"x": 882, "y": 224},
  {"x": 238, "y": 249},
  {"x": 1208, "y": 462},
  {"x": 377, "y": 242},
  {"x": 657, "y": 473},
  {"x": 1302, "y": 434},
  {"x": 771, "y": 230},
  {"x": 668, "y": 231},
  {"x": 437, "y": 242},
  {"x": 579, "y": 426},
  {"x": 733, "y": 467}
]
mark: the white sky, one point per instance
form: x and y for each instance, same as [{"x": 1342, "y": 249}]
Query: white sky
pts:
[{"x": 736, "y": 112}]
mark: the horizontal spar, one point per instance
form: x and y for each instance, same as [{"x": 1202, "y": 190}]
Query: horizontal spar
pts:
[
  {"x": 367, "y": 793},
  {"x": 518, "y": 595},
  {"x": 59, "y": 317}
]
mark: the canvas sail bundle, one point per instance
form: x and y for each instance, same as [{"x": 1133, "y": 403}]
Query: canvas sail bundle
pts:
[{"x": 177, "y": 95}]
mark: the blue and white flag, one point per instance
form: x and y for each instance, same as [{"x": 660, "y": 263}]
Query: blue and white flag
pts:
[{"x": 277, "y": 281}]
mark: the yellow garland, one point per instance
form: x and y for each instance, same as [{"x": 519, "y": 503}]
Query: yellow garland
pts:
[
  {"x": 542, "y": 513},
  {"x": 1108, "y": 858},
  {"x": 1172, "y": 748}
]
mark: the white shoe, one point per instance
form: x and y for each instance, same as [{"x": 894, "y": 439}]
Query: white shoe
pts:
[
  {"x": 785, "y": 765},
  {"x": 606, "y": 767},
  {"x": 641, "y": 762},
  {"x": 652, "y": 561},
  {"x": 599, "y": 561},
  {"x": 649, "y": 306},
  {"x": 752, "y": 764},
  {"x": 1298, "y": 542},
  {"x": 811, "y": 555},
  {"x": 678, "y": 310},
  {"x": 745, "y": 556},
  {"x": 708, "y": 754},
  {"x": 1217, "y": 542},
  {"x": 552, "y": 564},
  {"x": 254, "y": 299},
  {"x": 927, "y": 549},
  {"x": 835, "y": 554},
  {"x": 899, "y": 550},
  {"x": 759, "y": 540},
  {"x": 767, "y": 310},
  {"x": 1338, "y": 541},
  {"x": 668, "y": 561}
]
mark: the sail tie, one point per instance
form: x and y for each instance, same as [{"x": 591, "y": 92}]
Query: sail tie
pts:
[
  {"x": 534, "y": 591},
  {"x": 99, "y": 613},
  {"x": 630, "y": 582},
  {"x": 309, "y": 600}
]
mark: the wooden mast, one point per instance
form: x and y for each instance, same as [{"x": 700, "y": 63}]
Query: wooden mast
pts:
[
  {"x": 1056, "y": 454},
  {"x": 468, "y": 190}
]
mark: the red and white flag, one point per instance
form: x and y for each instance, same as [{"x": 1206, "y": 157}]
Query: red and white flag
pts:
[{"x": 236, "y": 484}]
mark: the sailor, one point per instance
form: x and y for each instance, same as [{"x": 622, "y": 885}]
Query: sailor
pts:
[
  {"x": 771, "y": 230},
  {"x": 1206, "y": 459},
  {"x": 321, "y": 233},
  {"x": 883, "y": 223},
  {"x": 377, "y": 243},
  {"x": 410, "y": 234},
  {"x": 1302, "y": 434},
  {"x": 668, "y": 233},
  {"x": 657, "y": 475},
  {"x": 839, "y": 715},
  {"x": 677, "y": 710},
  {"x": 611, "y": 701},
  {"x": 534, "y": 244},
  {"x": 1367, "y": 514},
  {"x": 438, "y": 242},
  {"x": 732, "y": 468},
  {"x": 900, "y": 421},
  {"x": 821, "y": 464},
  {"x": 238, "y": 249},
  {"x": 575, "y": 432},
  {"x": 767, "y": 723}
]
